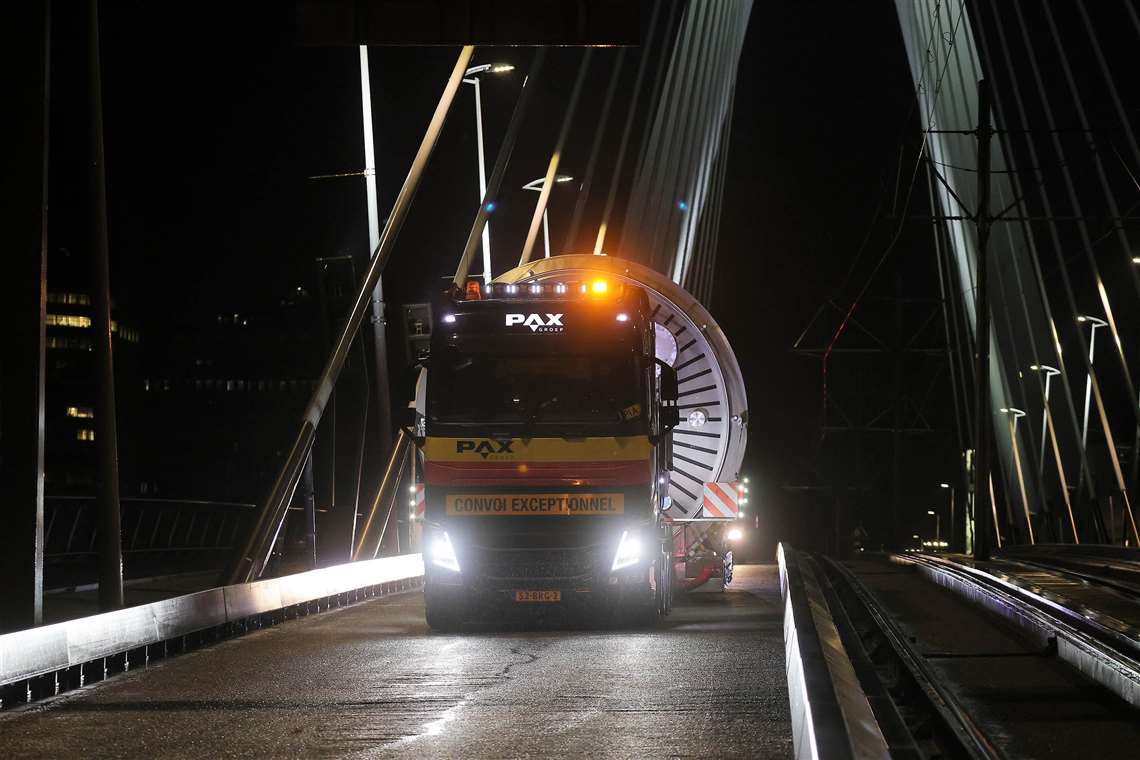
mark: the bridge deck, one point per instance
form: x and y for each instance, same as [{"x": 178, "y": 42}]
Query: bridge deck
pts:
[{"x": 371, "y": 678}]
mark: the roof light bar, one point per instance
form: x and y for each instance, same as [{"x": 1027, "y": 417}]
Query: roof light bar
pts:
[{"x": 596, "y": 287}]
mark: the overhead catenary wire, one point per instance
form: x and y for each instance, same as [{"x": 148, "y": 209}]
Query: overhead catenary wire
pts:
[{"x": 900, "y": 226}]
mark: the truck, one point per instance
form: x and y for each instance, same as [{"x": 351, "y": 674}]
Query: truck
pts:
[{"x": 544, "y": 437}]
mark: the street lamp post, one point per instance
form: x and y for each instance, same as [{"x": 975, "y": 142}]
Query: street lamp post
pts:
[
  {"x": 953, "y": 525},
  {"x": 1014, "y": 416},
  {"x": 383, "y": 415},
  {"x": 536, "y": 185},
  {"x": 937, "y": 527},
  {"x": 1095, "y": 322},
  {"x": 471, "y": 77},
  {"x": 1049, "y": 373},
  {"x": 1047, "y": 428}
]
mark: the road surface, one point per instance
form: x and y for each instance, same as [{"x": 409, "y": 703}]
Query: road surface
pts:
[{"x": 371, "y": 681}]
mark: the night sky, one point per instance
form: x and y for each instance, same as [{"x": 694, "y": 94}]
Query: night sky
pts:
[{"x": 212, "y": 135}]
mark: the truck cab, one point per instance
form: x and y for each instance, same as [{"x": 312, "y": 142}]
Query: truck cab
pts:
[{"x": 545, "y": 446}]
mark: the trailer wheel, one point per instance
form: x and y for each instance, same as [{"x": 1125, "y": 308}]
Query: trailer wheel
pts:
[{"x": 665, "y": 585}]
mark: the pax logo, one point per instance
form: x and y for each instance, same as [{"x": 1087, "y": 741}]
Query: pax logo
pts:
[
  {"x": 484, "y": 448},
  {"x": 537, "y": 322}
]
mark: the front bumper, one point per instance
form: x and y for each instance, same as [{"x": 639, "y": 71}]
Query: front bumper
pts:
[{"x": 490, "y": 584}]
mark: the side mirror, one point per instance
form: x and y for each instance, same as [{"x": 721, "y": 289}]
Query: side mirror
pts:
[{"x": 670, "y": 414}]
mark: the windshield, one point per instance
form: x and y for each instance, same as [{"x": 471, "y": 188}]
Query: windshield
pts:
[{"x": 537, "y": 390}]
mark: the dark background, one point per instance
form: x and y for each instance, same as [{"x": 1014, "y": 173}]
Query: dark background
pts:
[{"x": 213, "y": 132}]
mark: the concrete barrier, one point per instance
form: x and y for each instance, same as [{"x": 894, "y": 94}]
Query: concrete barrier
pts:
[
  {"x": 37, "y": 651},
  {"x": 831, "y": 716}
]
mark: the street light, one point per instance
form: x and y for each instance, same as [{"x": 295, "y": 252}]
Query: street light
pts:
[
  {"x": 1049, "y": 373},
  {"x": 937, "y": 525},
  {"x": 471, "y": 76},
  {"x": 1047, "y": 427},
  {"x": 1014, "y": 416},
  {"x": 952, "y": 523},
  {"x": 536, "y": 185},
  {"x": 1095, "y": 322}
]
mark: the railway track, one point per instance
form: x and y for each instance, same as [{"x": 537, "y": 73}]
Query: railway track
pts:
[{"x": 991, "y": 661}]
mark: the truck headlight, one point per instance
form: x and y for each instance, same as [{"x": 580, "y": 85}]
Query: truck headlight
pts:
[
  {"x": 443, "y": 553},
  {"x": 628, "y": 551},
  {"x": 735, "y": 534}
]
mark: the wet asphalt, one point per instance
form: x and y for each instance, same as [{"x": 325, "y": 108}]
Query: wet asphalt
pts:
[{"x": 371, "y": 681}]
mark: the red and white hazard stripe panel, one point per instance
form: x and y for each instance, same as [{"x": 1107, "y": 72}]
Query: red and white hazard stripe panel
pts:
[
  {"x": 721, "y": 500},
  {"x": 419, "y": 510}
]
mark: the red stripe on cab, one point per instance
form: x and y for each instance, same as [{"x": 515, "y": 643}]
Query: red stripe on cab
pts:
[{"x": 629, "y": 473}]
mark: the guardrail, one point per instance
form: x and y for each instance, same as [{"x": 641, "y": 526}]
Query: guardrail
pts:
[
  {"x": 831, "y": 716},
  {"x": 149, "y": 525},
  {"x": 44, "y": 661},
  {"x": 1098, "y": 562}
]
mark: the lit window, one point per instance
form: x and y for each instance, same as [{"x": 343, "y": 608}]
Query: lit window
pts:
[
  {"x": 85, "y": 435},
  {"x": 67, "y": 320},
  {"x": 80, "y": 412},
  {"x": 77, "y": 299}
]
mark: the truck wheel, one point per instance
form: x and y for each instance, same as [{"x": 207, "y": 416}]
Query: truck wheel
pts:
[{"x": 441, "y": 616}]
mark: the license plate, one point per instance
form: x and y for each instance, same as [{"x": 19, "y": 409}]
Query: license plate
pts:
[{"x": 538, "y": 596}]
